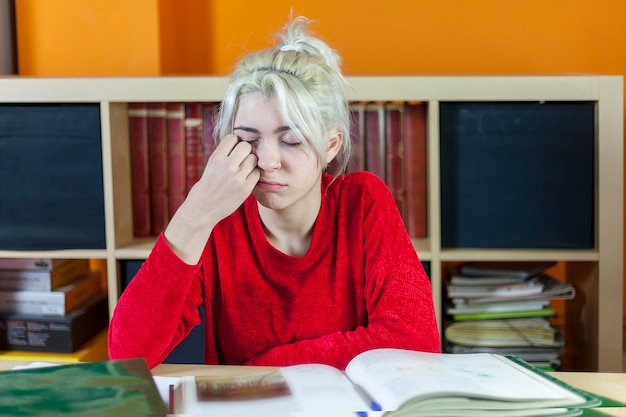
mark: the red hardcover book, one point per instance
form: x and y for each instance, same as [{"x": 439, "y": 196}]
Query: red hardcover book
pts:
[
  {"x": 209, "y": 112},
  {"x": 139, "y": 167},
  {"x": 395, "y": 166},
  {"x": 176, "y": 170},
  {"x": 416, "y": 169},
  {"x": 374, "y": 135},
  {"x": 157, "y": 130},
  {"x": 357, "y": 130},
  {"x": 193, "y": 143}
]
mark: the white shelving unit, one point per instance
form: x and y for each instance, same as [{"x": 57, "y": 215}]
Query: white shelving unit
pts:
[{"x": 597, "y": 271}]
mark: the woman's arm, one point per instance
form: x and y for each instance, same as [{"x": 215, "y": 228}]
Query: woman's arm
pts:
[
  {"x": 157, "y": 309},
  {"x": 160, "y": 306}
]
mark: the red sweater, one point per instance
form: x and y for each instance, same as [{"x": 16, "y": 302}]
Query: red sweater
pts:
[{"x": 360, "y": 286}]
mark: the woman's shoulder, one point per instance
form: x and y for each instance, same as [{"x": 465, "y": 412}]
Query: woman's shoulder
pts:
[
  {"x": 358, "y": 186},
  {"x": 364, "y": 180}
]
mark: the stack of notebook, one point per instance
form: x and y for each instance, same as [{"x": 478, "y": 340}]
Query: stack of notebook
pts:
[{"x": 504, "y": 307}]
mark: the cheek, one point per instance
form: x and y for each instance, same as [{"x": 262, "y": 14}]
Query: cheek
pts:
[{"x": 302, "y": 163}]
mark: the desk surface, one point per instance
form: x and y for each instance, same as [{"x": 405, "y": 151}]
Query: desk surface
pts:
[{"x": 611, "y": 385}]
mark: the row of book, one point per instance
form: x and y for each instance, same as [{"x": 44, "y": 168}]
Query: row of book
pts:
[
  {"x": 50, "y": 305},
  {"x": 505, "y": 307},
  {"x": 169, "y": 146},
  {"x": 390, "y": 140},
  {"x": 171, "y": 142}
]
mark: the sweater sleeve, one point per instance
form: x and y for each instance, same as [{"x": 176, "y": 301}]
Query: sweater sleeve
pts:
[
  {"x": 157, "y": 309},
  {"x": 398, "y": 297}
]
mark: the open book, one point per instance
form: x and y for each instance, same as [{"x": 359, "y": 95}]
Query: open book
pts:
[{"x": 386, "y": 382}]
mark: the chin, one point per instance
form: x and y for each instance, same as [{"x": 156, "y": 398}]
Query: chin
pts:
[{"x": 269, "y": 201}]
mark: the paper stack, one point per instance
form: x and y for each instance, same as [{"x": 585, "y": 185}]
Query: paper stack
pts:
[{"x": 504, "y": 307}]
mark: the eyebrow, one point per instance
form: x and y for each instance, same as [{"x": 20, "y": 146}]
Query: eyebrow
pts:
[{"x": 253, "y": 130}]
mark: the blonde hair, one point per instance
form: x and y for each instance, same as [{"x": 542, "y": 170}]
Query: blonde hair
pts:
[{"x": 303, "y": 73}]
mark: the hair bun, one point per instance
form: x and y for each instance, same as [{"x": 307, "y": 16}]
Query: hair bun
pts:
[{"x": 287, "y": 47}]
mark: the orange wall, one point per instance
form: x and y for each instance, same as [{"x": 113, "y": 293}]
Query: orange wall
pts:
[
  {"x": 147, "y": 37},
  {"x": 88, "y": 37},
  {"x": 121, "y": 37}
]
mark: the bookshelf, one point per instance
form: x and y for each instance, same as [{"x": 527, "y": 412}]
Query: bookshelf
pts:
[{"x": 597, "y": 271}]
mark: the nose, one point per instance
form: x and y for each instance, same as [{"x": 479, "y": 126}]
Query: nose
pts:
[{"x": 268, "y": 155}]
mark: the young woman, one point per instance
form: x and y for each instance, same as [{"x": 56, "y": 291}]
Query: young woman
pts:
[{"x": 291, "y": 264}]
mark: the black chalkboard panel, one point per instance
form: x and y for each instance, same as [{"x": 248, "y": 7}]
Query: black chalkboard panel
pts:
[
  {"x": 517, "y": 175},
  {"x": 51, "y": 189}
]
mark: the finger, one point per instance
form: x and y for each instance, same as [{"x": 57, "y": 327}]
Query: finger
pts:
[
  {"x": 249, "y": 163},
  {"x": 241, "y": 151},
  {"x": 226, "y": 145}
]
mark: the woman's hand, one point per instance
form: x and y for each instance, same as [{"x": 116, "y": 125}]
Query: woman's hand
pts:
[{"x": 228, "y": 179}]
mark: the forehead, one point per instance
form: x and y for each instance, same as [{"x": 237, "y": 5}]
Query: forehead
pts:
[{"x": 257, "y": 108}]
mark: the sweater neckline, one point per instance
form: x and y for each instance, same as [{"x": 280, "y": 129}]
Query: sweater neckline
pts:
[{"x": 269, "y": 250}]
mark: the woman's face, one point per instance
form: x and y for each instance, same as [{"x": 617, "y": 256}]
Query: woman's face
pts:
[{"x": 290, "y": 171}]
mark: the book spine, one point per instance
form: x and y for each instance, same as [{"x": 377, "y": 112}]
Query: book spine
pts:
[
  {"x": 33, "y": 280},
  {"x": 357, "y": 130},
  {"x": 63, "y": 334},
  {"x": 209, "y": 113},
  {"x": 176, "y": 171},
  {"x": 95, "y": 349},
  {"x": 416, "y": 170},
  {"x": 374, "y": 135},
  {"x": 39, "y": 264},
  {"x": 157, "y": 130},
  {"x": 140, "y": 167},
  {"x": 194, "y": 143},
  {"x": 395, "y": 165},
  {"x": 51, "y": 303}
]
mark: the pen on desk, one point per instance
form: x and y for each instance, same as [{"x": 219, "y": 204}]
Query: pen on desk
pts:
[
  {"x": 170, "y": 403},
  {"x": 374, "y": 406}
]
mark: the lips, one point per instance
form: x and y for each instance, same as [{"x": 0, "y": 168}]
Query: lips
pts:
[{"x": 270, "y": 185}]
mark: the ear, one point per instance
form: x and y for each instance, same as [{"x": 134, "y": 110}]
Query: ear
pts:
[{"x": 335, "y": 140}]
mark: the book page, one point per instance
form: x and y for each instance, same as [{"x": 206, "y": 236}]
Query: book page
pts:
[
  {"x": 395, "y": 376},
  {"x": 293, "y": 389}
]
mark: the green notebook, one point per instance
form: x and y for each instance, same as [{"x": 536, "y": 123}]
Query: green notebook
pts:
[
  {"x": 120, "y": 388},
  {"x": 544, "y": 312}
]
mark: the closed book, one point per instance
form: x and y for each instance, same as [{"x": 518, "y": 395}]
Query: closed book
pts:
[
  {"x": 530, "y": 287},
  {"x": 488, "y": 280},
  {"x": 374, "y": 135},
  {"x": 176, "y": 169},
  {"x": 535, "y": 304},
  {"x": 96, "y": 349},
  {"x": 39, "y": 264},
  {"x": 157, "y": 131},
  {"x": 51, "y": 303},
  {"x": 520, "y": 332},
  {"x": 209, "y": 114},
  {"x": 139, "y": 167},
  {"x": 43, "y": 280},
  {"x": 514, "y": 269},
  {"x": 416, "y": 169},
  {"x": 395, "y": 155},
  {"x": 120, "y": 388},
  {"x": 552, "y": 289},
  {"x": 357, "y": 130},
  {"x": 494, "y": 315},
  {"x": 193, "y": 143},
  {"x": 60, "y": 334}
]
